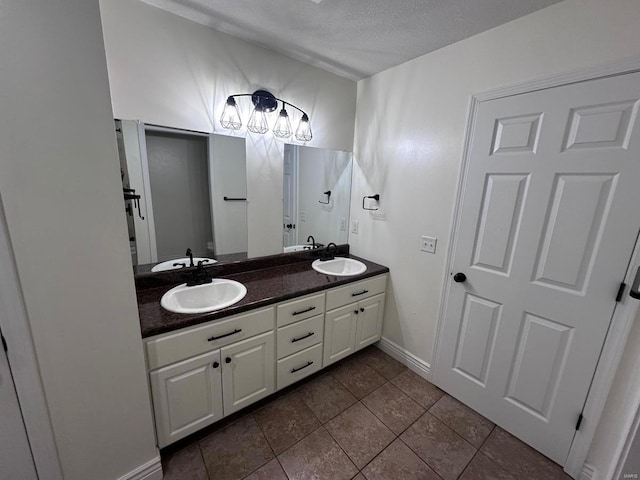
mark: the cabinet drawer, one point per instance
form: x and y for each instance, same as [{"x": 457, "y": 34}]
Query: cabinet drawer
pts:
[
  {"x": 299, "y": 365},
  {"x": 184, "y": 343},
  {"x": 299, "y": 309},
  {"x": 300, "y": 335},
  {"x": 355, "y": 292}
]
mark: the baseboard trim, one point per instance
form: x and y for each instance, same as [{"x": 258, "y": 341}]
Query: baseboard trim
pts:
[
  {"x": 588, "y": 473},
  {"x": 152, "y": 470},
  {"x": 414, "y": 363}
]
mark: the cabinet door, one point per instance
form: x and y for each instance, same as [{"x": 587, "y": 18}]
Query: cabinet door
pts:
[
  {"x": 186, "y": 396},
  {"x": 370, "y": 314},
  {"x": 339, "y": 333},
  {"x": 248, "y": 371}
]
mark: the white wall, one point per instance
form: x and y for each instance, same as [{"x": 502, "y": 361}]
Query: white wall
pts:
[
  {"x": 410, "y": 126},
  {"x": 166, "y": 70},
  {"x": 59, "y": 181}
]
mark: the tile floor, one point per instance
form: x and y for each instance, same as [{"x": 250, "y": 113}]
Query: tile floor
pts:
[{"x": 365, "y": 418}]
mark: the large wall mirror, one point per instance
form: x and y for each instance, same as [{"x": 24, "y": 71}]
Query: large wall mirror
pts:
[
  {"x": 316, "y": 196},
  {"x": 187, "y": 189}
]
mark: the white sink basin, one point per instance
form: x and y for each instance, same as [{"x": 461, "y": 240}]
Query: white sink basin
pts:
[
  {"x": 168, "y": 265},
  {"x": 339, "y": 266},
  {"x": 296, "y": 248},
  {"x": 220, "y": 293}
]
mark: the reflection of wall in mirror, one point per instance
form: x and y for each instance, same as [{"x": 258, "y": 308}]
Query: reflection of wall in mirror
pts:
[
  {"x": 228, "y": 173},
  {"x": 320, "y": 170}
]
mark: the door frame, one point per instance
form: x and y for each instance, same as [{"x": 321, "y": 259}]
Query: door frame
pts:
[
  {"x": 143, "y": 129},
  {"x": 24, "y": 364},
  {"x": 625, "y": 311}
]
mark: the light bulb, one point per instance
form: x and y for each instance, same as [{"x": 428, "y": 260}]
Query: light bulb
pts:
[
  {"x": 230, "y": 118},
  {"x": 303, "y": 132},
  {"x": 258, "y": 121},
  {"x": 282, "y": 128}
]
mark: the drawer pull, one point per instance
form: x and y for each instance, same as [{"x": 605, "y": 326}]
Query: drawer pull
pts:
[
  {"x": 294, "y": 340},
  {"x": 294, "y": 370},
  {"x": 303, "y": 311},
  {"x": 237, "y": 330},
  {"x": 359, "y": 293}
]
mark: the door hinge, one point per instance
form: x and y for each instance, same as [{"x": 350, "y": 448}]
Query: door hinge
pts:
[
  {"x": 621, "y": 291},
  {"x": 4, "y": 343},
  {"x": 579, "y": 422}
]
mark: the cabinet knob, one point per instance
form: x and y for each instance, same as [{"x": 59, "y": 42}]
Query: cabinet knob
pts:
[
  {"x": 355, "y": 311},
  {"x": 227, "y": 360},
  {"x": 361, "y": 309},
  {"x": 216, "y": 364}
]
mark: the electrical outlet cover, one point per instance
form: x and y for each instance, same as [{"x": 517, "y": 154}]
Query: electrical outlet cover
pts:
[
  {"x": 428, "y": 244},
  {"x": 354, "y": 226}
]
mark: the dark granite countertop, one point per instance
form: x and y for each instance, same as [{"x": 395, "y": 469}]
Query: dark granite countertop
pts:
[{"x": 265, "y": 286}]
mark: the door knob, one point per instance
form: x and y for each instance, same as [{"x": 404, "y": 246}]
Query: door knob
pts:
[{"x": 459, "y": 277}]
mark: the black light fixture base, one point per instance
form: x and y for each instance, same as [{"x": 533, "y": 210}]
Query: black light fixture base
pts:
[{"x": 266, "y": 99}]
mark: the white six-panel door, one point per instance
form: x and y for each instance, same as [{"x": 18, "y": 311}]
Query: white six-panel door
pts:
[{"x": 548, "y": 221}]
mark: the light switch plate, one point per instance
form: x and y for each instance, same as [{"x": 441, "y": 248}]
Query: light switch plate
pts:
[
  {"x": 428, "y": 244},
  {"x": 354, "y": 226},
  {"x": 303, "y": 216}
]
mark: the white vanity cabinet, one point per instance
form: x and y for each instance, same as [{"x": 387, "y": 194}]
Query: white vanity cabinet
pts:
[
  {"x": 187, "y": 396},
  {"x": 354, "y": 317},
  {"x": 247, "y": 371},
  {"x": 203, "y": 373},
  {"x": 300, "y": 338},
  {"x": 191, "y": 389}
]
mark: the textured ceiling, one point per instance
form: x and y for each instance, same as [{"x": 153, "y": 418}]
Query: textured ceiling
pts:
[{"x": 353, "y": 38}]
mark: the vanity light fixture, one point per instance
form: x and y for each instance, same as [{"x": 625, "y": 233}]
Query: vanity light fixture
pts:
[{"x": 265, "y": 102}]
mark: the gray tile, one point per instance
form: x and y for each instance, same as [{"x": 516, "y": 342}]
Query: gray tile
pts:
[
  {"x": 185, "y": 464},
  {"x": 360, "y": 434},
  {"x": 396, "y": 410},
  {"x": 422, "y": 391},
  {"x": 518, "y": 458},
  {"x": 442, "y": 448},
  {"x": 236, "y": 451},
  {"x": 317, "y": 456},
  {"x": 382, "y": 363},
  {"x": 470, "y": 425},
  {"x": 483, "y": 468},
  {"x": 359, "y": 378},
  {"x": 398, "y": 462},
  {"x": 285, "y": 421},
  {"x": 269, "y": 471},
  {"x": 326, "y": 397}
]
